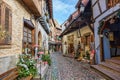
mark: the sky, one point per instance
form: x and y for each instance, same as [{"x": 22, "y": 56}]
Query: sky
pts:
[{"x": 62, "y": 9}]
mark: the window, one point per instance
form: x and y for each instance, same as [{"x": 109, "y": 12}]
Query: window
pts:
[
  {"x": 5, "y": 23},
  {"x": 111, "y": 3},
  {"x": 27, "y": 40},
  {"x": 27, "y": 35}
]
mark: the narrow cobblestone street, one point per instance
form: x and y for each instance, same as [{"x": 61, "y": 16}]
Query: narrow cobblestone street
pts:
[{"x": 64, "y": 68}]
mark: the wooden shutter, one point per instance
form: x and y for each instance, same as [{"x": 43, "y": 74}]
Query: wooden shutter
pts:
[
  {"x": 0, "y": 13},
  {"x": 6, "y": 19},
  {"x": 8, "y": 28},
  {"x": 10, "y": 25}
]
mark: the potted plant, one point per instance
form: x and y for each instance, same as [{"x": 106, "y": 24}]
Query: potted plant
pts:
[
  {"x": 26, "y": 66},
  {"x": 46, "y": 58},
  {"x": 88, "y": 55},
  {"x": 3, "y": 33}
]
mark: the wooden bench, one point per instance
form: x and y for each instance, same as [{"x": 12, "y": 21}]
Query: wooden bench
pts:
[{"x": 12, "y": 75}]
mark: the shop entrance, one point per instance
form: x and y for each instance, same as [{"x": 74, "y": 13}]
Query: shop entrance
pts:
[
  {"x": 71, "y": 48},
  {"x": 114, "y": 37},
  {"x": 71, "y": 45},
  {"x": 114, "y": 43},
  {"x": 111, "y": 38}
]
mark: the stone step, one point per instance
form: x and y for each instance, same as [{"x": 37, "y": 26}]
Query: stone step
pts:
[
  {"x": 115, "y": 61},
  {"x": 108, "y": 74},
  {"x": 111, "y": 67},
  {"x": 117, "y": 58}
]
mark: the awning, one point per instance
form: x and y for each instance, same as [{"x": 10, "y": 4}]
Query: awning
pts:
[
  {"x": 54, "y": 43},
  {"x": 44, "y": 24},
  {"x": 28, "y": 23},
  {"x": 51, "y": 43}
]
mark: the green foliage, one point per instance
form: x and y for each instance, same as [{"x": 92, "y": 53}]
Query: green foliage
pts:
[
  {"x": 118, "y": 14},
  {"x": 100, "y": 26},
  {"x": 26, "y": 66},
  {"x": 46, "y": 57},
  {"x": 88, "y": 55}
]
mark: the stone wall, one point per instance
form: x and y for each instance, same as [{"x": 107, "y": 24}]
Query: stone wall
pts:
[
  {"x": 18, "y": 13},
  {"x": 7, "y": 63},
  {"x": 7, "y": 54}
]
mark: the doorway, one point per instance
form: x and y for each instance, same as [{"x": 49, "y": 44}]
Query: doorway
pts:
[{"x": 115, "y": 43}]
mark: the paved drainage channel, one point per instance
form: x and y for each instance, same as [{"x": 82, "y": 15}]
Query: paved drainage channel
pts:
[
  {"x": 53, "y": 72},
  {"x": 54, "y": 68}
]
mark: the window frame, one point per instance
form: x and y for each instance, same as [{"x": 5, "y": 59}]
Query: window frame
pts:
[
  {"x": 27, "y": 32},
  {"x": 3, "y": 7}
]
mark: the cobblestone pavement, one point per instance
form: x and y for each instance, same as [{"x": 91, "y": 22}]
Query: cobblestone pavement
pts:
[{"x": 64, "y": 68}]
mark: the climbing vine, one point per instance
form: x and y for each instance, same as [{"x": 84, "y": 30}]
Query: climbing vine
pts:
[{"x": 100, "y": 26}]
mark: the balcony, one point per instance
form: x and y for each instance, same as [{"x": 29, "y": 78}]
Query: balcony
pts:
[{"x": 33, "y": 6}]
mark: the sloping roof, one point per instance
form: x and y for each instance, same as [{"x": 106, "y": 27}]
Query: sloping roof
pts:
[{"x": 50, "y": 8}]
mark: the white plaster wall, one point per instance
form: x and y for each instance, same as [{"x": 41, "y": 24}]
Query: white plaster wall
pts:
[
  {"x": 84, "y": 30},
  {"x": 64, "y": 39},
  {"x": 63, "y": 27},
  {"x": 102, "y": 5},
  {"x": 75, "y": 41},
  {"x": 96, "y": 10},
  {"x": 93, "y": 1}
]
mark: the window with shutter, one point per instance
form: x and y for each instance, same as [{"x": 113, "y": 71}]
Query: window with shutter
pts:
[
  {"x": 28, "y": 39},
  {"x": 0, "y": 14},
  {"x": 6, "y": 23}
]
